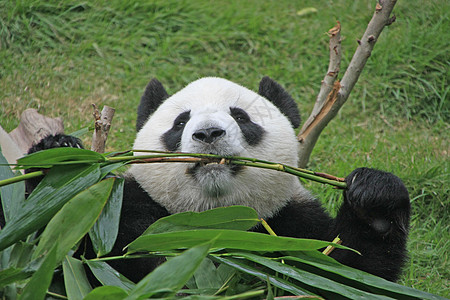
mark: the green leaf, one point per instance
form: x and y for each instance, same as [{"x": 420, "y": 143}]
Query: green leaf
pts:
[
  {"x": 206, "y": 276},
  {"x": 104, "y": 232},
  {"x": 13, "y": 195},
  {"x": 50, "y": 157},
  {"x": 37, "y": 287},
  {"x": 109, "y": 276},
  {"x": 232, "y": 217},
  {"x": 81, "y": 132},
  {"x": 16, "y": 263},
  {"x": 107, "y": 293},
  {"x": 20, "y": 254},
  {"x": 171, "y": 276},
  {"x": 375, "y": 284},
  {"x": 328, "y": 287},
  {"x": 14, "y": 274},
  {"x": 278, "y": 282},
  {"x": 235, "y": 239},
  {"x": 75, "y": 280},
  {"x": 107, "y": 168},
  {"x": 58, "y": 187},
  {"x": 75, "y": 219}
]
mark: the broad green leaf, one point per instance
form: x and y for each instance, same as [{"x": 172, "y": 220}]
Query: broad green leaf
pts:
[
  {"x": 278, "y": 282},
  {"x": 14, "y": 274},
  {"x": 207, "y": 277},
  {"x": 104, "y": 232},
  {"x": 109, "y": 276},
  {"x": 329, "y": 288},
  {"x": 16, "y": 263},
  {"x": 171, "y": 276},
  {"x": 109, "y": 167},
  {"x": 37, "y": 287},
  {"x": 75, "y": 280},
  {"x": 81, "y": 132},
  {"x": 107, "y": 293},
  {"x": 57, "y": 187},
  {"x": 235, "y": 239},
  {"x": 258, "y": 294},
  {"x": 233, "y": 217},
  {"x": 375, "y": 284},
  {"x": 50, "y": 157},
  {"x": 20, "y": 254},
  {"x": 12, "y": 195},
  {"x": 75, "y": 219}
]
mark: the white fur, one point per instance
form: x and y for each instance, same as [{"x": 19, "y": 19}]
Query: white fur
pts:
[{"x": 209, "y": 101}]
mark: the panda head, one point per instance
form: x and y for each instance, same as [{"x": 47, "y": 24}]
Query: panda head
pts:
[{"x": 214, "y": 115}]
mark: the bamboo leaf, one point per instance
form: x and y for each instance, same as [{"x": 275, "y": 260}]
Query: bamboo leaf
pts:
[
  {"x": 75, "y": 219},
  {"x": 14, "y": 274},
  {"x": 37, "y": 287},
  {"x": 327, "y": 287},
  {"x": 104, "y": 232},
  {"x": 12, "y": 196},
  {"x": 16, "y": 263},
  {"x": 19, "y": 254},
  {"x": 171, "y": 276},
  {"x": 206, "y": 276},
  {"x": 232, "y": 217},
  {"x": 278, "y": 282},
  {"x": 107, "y": 293},
  {"x": 50, "y": 157},
  {"x": 235, "y": 239},
  {"x": 337, "y": 271},
  {"x": 58, "y": 187},
  {"x": 109, "y": 276},
  {"x": 75, "y": 280}
]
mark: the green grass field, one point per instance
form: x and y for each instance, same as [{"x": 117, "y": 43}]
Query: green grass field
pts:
[{"x": 61, "y": 56}]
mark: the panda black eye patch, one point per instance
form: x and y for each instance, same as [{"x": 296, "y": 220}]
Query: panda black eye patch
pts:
[
  {"x": 172, "y": 137},
  {"x": 253, "y": 133}
]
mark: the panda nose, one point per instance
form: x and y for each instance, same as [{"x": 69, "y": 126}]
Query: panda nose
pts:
[{"x": 208, "y": 135}]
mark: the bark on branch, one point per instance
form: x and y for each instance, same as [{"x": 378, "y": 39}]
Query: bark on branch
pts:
[
  {"x": 102, "y": 125},
  {"x": 333, "y": 94}
]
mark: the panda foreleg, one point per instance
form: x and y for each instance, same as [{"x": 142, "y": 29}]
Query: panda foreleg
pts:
[{"x": 374, "y": 219}]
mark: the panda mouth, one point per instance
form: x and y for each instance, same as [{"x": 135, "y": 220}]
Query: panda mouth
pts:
[{"x": 215, "y": 165}]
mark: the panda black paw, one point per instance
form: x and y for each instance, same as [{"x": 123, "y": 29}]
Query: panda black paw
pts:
[
  {"x": 56, "y": 141},
  {"x": 50, "y": 141},
  {"x": 379, "y": 199}
]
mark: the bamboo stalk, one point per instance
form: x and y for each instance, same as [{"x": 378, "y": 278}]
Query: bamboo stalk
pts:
[
  {"x": 20, "y": 178},
  {"x": 167, "y": 157}
]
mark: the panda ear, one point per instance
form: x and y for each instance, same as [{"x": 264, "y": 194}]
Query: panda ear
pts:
[
  {"x": 274, "y": 92},
  {"x": 153, "y": 96}
]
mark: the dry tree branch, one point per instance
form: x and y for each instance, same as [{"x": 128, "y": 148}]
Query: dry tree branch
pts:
[
  {"x": 102, "y": 125},
  {"x": 333, "y": 94}
]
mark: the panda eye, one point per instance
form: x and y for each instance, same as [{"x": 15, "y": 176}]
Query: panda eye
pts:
[
  {"x": 239, "y": 115},
  {"x": 181, "y": 120}
]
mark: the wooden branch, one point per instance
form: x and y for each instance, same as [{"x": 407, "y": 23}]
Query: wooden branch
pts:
[
  {"x": 332, "y": 73},
  {"x": 102, "y": 125},
  {"x": 325, "y": 110}
]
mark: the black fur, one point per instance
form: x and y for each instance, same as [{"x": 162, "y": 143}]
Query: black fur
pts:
[
  {"x": 52, "y": 141},
  {"x": 253, "y": 133},
  {"x": 274, "y": 92},
  {"x": 153, "y": 96},
  {"x": 139, "y": 211},
  {"x": 172, "y": 138},
  {"x": 56, "y": 141}
]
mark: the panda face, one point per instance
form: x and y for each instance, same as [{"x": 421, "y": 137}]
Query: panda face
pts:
[{"x": 216, "y": 116}]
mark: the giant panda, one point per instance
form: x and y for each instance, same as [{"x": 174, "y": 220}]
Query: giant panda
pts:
[{"x": 214, "y": 115}]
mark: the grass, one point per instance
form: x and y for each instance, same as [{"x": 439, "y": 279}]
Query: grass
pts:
[{"x": 61, "y": 56}]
